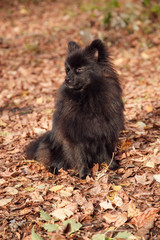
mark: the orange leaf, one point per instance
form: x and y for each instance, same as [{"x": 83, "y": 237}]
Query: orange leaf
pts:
[{"x": 144, "y": 218}]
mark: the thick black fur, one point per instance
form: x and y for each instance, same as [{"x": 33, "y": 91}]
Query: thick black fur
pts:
[{"x": 88, "y": 114}]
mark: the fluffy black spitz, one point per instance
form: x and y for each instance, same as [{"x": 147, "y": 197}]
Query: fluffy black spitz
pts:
[{"x": 88, "y": 114}]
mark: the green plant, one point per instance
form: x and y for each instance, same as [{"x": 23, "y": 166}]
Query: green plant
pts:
[{"x": 110, "y": 6}]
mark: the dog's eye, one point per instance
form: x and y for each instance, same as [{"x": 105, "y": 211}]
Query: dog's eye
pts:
[
  {"x": 79, "y": 70},
  {"x": 67, "y": 69}
]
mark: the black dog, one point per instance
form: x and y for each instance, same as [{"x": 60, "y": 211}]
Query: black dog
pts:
[{"x": 88, "y": 115}]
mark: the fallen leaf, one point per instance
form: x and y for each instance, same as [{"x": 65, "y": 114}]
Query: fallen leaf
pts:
[
  {"x": 116, "y": 187},
  {"x": 41, "y": 186},
  {"x": 79, "y": 198},
  {"x": 117, "y": 218},
  {"x": 62, "y": 213},
  {"x": 95, "y": 169},
  {"x": 125, "y": 145},
  {"x": 149, "y": 108},
  {"x": 39, "y": 131},
  {"x": 35, "y": 236},
  {"x": 157, "y": 177},
  {"x": 145, "y": 55},
  {"x": 57, "y": 236},
  {"x": 132, "y": 211},
  {"x": 150, "y": 164},
  {"x": 142, "y": 179},
  {"x": 117, "y": 201},
  {"x": 88, "y": 208},
  {"x": 140, "y": 125},
  {"x": 5, "y": 201},
  {"x": 67, "y": 193},
  {"x": 11, "y": 190},
  {"x": 127, "y": 173},
  {"x": 2, "y": 181},
  {"x": 99, "y": 237},
  {"x": 29, "y": 189},
  {"x": 25, "y": 211},
  {"x": 96, "y": 189},
  {"x": 39, "y": 100},
  {"x": 144, "y": 218},
  {"x": 124, "y": 235},
  {"x": 74, "y": 226},
  {"x": 36, "y": 197},
  {"x": 56, "y": 188},
  {"x": 106, "y": 205},
  {"x": 23, "y": 11},
  {"x": 45, "y": 215},
  {"x": 50, "y": 227}
]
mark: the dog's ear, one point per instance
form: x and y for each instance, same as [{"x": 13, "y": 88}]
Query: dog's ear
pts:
[
  {"x": 97, "y": 50},
  {"x": 72, "y": 46}
]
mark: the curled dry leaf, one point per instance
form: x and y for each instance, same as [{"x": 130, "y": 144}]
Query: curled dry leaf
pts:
[
  {"x": 25, "y": 211},
  {"x": 125, "y": 145},
  {"x": 117, "y": 218},
  {"x": 144, "y": 218},
  {"x": 95, "y": 169}
]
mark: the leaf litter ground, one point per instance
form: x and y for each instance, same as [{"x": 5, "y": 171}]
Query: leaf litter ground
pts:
[{"x": 33, "y": 202}]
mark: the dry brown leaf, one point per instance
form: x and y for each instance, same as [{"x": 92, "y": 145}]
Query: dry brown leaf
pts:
[
  {"x": 117, "y": 201},
  {"x": 117, "y": 218},
  {"x": 106, "y": 205},
  {"x": 132, "y": 211},
  {"x": 56, "y": 188},
  {"x": 36, "y": 196},
  {"x": 144, "y": 219},
  {"x": 95, "y": 169},
  {"x": 142, "y": 179},
  {"x": 11, "y": 190},
  {"x": 88, "y": 208},
  {"x": 128, "y": 173},
  {"x": 96, "y": 189},
  {"x": 62, "y": 213},
  {"x": 5, "y": 201},
  {"x": 150, "y": 164},
  {"x": 79, "y": 198},
  {"x": 67, "y": 192},
  {"x": 57, "y": 236},
  {"x": 125, "y": 145},
  {"x": 25, "y": 211}
]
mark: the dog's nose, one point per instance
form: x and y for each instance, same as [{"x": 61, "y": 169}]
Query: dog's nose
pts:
[{"x": 67, "y": 80}]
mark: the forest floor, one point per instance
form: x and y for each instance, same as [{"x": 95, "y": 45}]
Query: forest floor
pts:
[{"x": 34, "y": 204}]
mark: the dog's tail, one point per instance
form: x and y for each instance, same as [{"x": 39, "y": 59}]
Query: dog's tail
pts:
[{"x": 31, "y": 149}]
